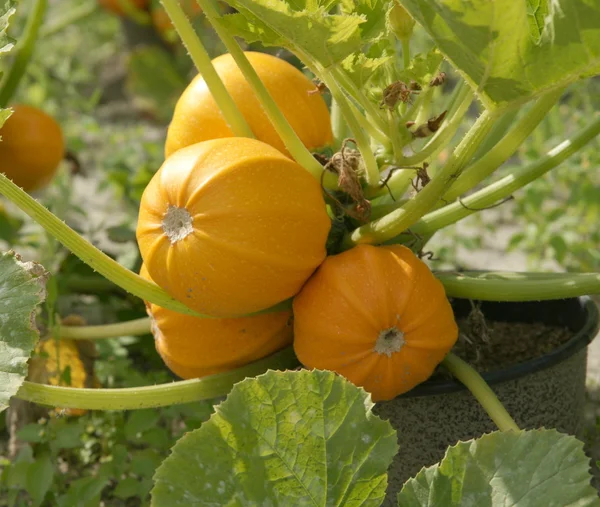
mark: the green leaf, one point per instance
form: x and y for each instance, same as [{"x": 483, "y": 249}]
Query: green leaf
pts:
[
  {"x": 502, "y": 55},
  {"x": 7, "y": 9},
  {"x": 305, "y": 27},
  {"x": 539, "y": 468},
  {"x": 139, "y": 422},
  {"x": 283, "y": 438},
  {"x": 422, "y": 68},
  {"x": 364, "y": 70},
  {"x": 22, "y": 288},
  {"x": 39, "y": 478},
  {"x": 31, "y": 433},
  {"x": 127, "y": 488}
]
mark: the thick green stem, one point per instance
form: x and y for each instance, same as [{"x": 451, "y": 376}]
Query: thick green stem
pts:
[
  {"x": 500, "y": 153},
  {"x": 88, "y": 253},
  {"x": 129, "y": 328},
  {"x": 504, "y": 187},
  {"x": 481, "y": 391},
  {"x": 338, "y": 126},
  {"x": 398, "y": 221},
  {"x": 291, "y": 140},
  {"x": 354, "y": 123},
  {"x": 185, "y": 391},
  {"x": 70, "y": 17},
  {"x": 508, "y": 286},
  {"x": 24, "y": 51},
  {"x": 203, "y": 63},
  {"x": 405, "y": 52}
]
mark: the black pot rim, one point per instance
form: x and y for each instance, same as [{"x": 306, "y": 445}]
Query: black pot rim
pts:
[{"x": 581, "y": 339}]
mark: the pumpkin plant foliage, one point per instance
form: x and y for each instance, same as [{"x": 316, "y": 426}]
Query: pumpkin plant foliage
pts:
[
  {"x": 22, "y": 289},
  {"x": 538, "y": 468},
  {"x": 513, "y": 51},
  {"x": 283, "y": 438},
  {"x": 7, "y": 9}
]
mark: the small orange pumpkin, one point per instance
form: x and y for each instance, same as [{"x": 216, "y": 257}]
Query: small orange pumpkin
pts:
[
  {"x": 198, "y": 118},
  {"x": 377, "y": 316},
  {"x": 31, "y": 148},
  {"x": 192, "y": 347},
  {"x": 232, "y": 226}
]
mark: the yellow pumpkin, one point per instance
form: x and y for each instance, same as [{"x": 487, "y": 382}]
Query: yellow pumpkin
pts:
[
  {"x": 31, "y": 147},
  {"x": 231, "y": 226},
  {"x": 192, "y": 347},
  {"x": 377, "y": 316},
  {"x": 54, "y": 357},
  {"x": 198, "y": 118}
]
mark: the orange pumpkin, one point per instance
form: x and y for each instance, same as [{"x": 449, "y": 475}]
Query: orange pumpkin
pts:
[
  {"x": 231, "y": 226},
  {"x": 31, "y": 148},
  {"x": 198, "y": 118},
  {"x": 192, "y": 347},
  {"x": 120, "y": 7},
  {"x": 377, "y": 316}
]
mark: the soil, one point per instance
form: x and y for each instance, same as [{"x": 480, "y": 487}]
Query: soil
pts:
[{"x": 491, "y": 345}]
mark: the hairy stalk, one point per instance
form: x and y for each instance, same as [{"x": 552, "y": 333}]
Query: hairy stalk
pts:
[
  {"x": 69, "y": 18},
  {"x": 401, "y": 219},
  {"x": 203, "y": 63},
  {"x": 506, "y": 186},
  {"x": 508, "y": 286},
  {"x": 500, "y": 153},
  {"x": 129, "y": 328},
  {"x": 173, "y": 393},
  {"x": 291, "y": 140},
  {"x": 368, "y": 125},
  {"x": 338, "y": 126},
  {"x": 24, "y": 51},
  {"x": 481, "y": 391}
]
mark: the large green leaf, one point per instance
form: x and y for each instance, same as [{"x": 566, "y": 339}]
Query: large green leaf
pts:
[
  {"x": 511, "y": 51},
  {"x": 283, "y": 438},
  {"x": 539, "y": 468},
  {"x": 22, "y": 288}
]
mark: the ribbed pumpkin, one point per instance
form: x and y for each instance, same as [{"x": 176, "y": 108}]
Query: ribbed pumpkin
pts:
[
  {"x": 192, "y": 347},
  {"x": 231, "y": 226},
  {"x": 376, "y": 315},
  {"x": 198, "y": 118},
  {"x": 31, "y": 148}
]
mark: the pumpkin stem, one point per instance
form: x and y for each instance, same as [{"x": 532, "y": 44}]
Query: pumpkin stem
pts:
[
  {"x": 177, "y": 223},
  {"x": 390, "y": 340}
]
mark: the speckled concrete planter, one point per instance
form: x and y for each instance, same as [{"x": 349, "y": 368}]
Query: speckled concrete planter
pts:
[{"x": 548, "y": 391}]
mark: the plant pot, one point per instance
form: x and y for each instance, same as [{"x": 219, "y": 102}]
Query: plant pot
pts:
[{"x": 547, "y": 391}]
